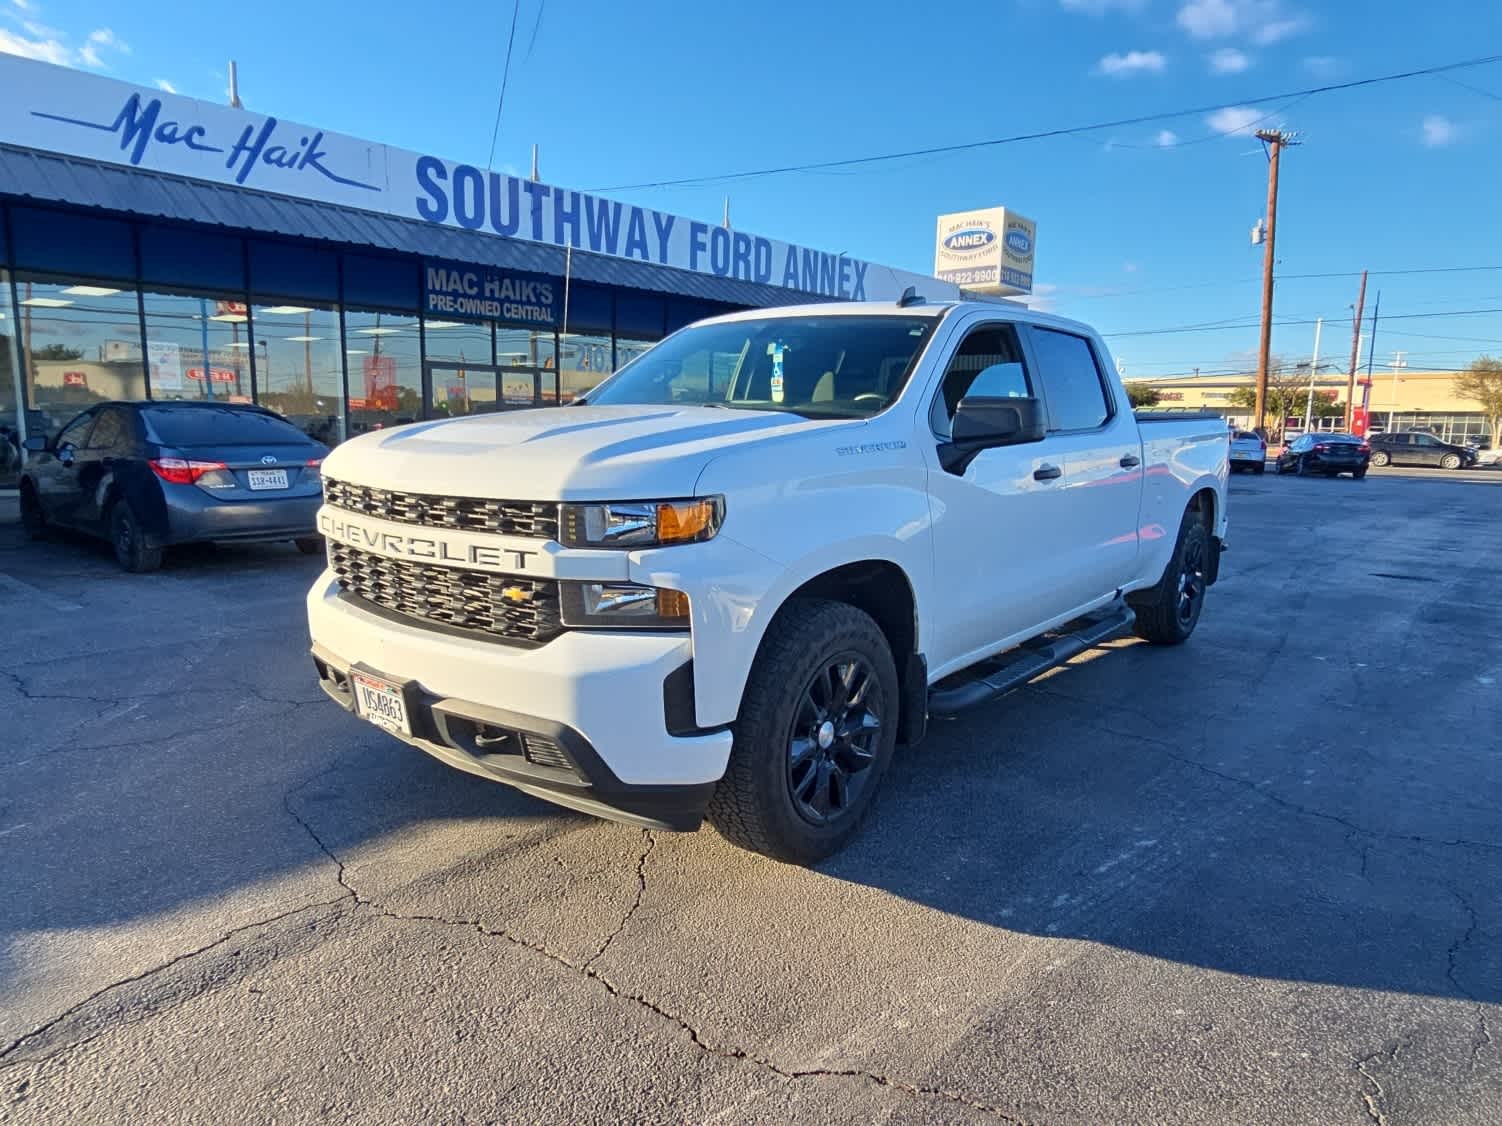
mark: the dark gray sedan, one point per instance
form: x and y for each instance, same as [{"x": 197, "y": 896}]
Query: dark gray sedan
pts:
[{"x": 146, "y": 476}]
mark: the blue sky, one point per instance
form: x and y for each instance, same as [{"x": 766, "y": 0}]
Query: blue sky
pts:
[{"x": 1140, "y": 228}]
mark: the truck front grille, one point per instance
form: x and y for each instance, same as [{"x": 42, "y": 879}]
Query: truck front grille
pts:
[
  {"x": 506, "y": 607},
  {"x": 532, "y": 519}
]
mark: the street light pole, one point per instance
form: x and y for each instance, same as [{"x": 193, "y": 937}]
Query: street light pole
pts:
[
  {"x": 1319, "y": 323},
  {"x": 1274, "y": 139}
]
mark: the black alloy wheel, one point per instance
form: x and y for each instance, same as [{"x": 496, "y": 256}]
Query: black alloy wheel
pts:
[
  {"x": 1191, "y": 583},
  {"x": 834, "y": 739}
]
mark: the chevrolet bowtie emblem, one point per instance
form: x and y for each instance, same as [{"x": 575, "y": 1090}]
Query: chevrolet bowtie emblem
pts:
[{"x": 516, "y": 594}]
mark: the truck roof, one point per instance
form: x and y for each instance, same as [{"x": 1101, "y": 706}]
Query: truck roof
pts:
[{"x": 1009, "y": 311}]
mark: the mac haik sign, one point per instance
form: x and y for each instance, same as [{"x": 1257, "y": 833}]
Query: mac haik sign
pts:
[{"x": 66, "y": 111}]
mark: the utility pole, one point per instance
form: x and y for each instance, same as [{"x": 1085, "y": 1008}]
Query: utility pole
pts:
[
  {"x": 1355, "y": 352},
  {"x": 1319, "y": 323},
  {"x": 1392, "y": 404},
  {"x": 1366, "y": 394},
  {"x": 1274, "y": 139}
]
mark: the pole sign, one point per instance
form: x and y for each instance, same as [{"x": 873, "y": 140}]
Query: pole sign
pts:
[
  {"x": 87, "y": 115},
  {"x": 457, "y": 289},
  {"x": 990, "y": 250}
]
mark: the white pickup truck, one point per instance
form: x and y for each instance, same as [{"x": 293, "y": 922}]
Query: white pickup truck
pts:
[{"x": 760, "y": 556}]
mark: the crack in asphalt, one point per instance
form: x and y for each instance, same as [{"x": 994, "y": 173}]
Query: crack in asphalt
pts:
[
  {"x": 1375, "y": 1100},
  {"x": 42, "y": 1029},
  {"x": 1169, "y": 750},
  {"x": 587, "y": 969},
  {"x": 650, "y": 842},
  {"x": 1481, "y": 1039}
]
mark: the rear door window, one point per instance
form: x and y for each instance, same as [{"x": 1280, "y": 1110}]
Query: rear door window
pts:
[
  {"x": 1071, "y": 380},
  {"x": 221, "y": 426}
]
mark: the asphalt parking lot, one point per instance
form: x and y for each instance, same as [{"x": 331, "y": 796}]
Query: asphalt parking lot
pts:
[{"x": 1254, "y": 879}]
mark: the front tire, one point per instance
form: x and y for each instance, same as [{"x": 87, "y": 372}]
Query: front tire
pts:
[
  {"x": 33, "y": 516},
  {"x": 816, "y": 732},
  {"x": 1168, "y": 612},
  {"x": 1450, "y": 461},
  {"x": 129, "y": 541}
]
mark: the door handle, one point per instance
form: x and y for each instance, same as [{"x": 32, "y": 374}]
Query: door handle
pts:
[
  {"x": 1047, "y": 473},
  {"x": 1130, "y": 461}
]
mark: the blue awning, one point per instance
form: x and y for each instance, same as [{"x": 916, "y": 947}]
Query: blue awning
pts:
[{"x": 54, "y": 179}]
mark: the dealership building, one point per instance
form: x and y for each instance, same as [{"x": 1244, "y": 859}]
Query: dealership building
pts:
[{"x": 156, "y": 246}]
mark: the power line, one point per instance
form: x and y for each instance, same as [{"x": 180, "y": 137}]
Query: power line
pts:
[
  {"x": 505, "y": 76},
  {"x": 1211, "y": 327},
  {"x": 1046, "y": 134},
  {"x": 536, "y": 24}
]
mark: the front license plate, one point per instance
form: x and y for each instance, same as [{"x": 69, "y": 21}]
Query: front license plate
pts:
[
  {"x": 381, "y": 702},
  {"x": 267, "y": 478}
]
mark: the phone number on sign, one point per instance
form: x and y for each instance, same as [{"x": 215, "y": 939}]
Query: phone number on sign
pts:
[{"x": 969, "y": 277}]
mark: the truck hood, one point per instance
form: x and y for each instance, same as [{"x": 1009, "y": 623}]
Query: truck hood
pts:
[{"x": 560, "y": 453}]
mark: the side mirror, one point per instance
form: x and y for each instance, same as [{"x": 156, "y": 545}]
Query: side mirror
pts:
[
  {"x": 35, "y": 444},
  {"x": 984, "y": 423}
]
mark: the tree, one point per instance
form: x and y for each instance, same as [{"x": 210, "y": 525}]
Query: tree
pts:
[
  {"x": 1482, "y": 382},
  {"x": 1287, "y": 394},
  {"x": 57, "y": 352},
  {"x": 1141, "y": 395}
]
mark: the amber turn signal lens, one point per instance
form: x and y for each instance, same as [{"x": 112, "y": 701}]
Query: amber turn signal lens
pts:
[
  {"x": 672, "y": 604},
  {"x": 685, "y": 521}
]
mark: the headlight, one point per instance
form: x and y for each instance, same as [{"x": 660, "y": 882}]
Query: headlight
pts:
[
  {"x": 622, "y": 606},
  {"x": 641, "y": 523}
]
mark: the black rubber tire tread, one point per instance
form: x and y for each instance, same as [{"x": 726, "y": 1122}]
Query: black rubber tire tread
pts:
[
  {"x": 1262, "y": 468},
  {"x": 751, "y": 806},
  {"x": 310, "y": 545},
  {"x": 141, "y": 558},
  {"x": 1359, "y": 475},
  {"x": 33, "y": 518},
  {"x": 1157, "y": 617}
]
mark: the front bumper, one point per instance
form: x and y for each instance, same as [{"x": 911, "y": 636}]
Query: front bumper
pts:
[{"x": 599, "y": 701}]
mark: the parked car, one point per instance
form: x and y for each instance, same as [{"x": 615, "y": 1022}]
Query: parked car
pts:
[
  {"x": 1248, "y": 451},
  {"x": 945, "y": 500},
  {"x": 149, "y": 475},
  {"x": 1330, "y": 454},
  {"x": 1415, "y": 447}
]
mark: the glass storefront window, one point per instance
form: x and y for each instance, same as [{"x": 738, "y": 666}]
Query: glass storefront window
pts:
[
  {"x": 460, "y": 356},
  {"x": 584, "y": 360},
  {"x": 198, "y": 347},
  {"x": 384, "y": 352},
  {"x": 528, "y": 360},
  {"x": 80, "y": 345},
  {"x": 628, "y": 350},
  {"x": 298, "y": 367},
  {"x": 10, "y": 393}
]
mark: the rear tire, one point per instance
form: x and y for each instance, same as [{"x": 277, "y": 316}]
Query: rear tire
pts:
[
  {"x": 33, "y": 517},
  {"x": 1359, "y": 475},
  {"x": 1168, "y": 612},
  {"x": 310, "y": 545},
  {"x": 817, "y": 727},
  {"x": 129, "y": 541},
  {"x": 1380, "y": 458},
  {"x": 1260, "y": 467}
]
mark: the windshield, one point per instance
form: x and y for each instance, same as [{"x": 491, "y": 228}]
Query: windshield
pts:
[{"x": 818, "y": 366}]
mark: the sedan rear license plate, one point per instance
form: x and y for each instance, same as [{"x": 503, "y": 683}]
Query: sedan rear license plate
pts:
[
  {"x": 381, "y": 703},
  {"x": 267, "y": 478}
]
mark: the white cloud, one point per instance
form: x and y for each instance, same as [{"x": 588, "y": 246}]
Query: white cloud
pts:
[
  {"x": 104, "y": 37},
  {"x": 1043, "y": 298},
  {"x": 1129, "y": 267},
  {"x": 1101, "y": 7},
  {"x": 1166, "y": 139},
  {"x": 1323, "y": 66},
  {"x": 1228, "y": 60},
  {"x": 1263, "y": 21},
  {"x": 48, "y": 50},
  {"x": 1234, "y": 120},
  {"x": 51, "y": 46},
  {"x": 24, "y": 5},
  {"x": 1439, "y": 131},
  {"x": 163, "y": 84},
  {"x": 1117, "y": 65}
]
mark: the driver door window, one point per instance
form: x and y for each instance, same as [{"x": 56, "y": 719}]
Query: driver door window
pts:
[
  {"x": 988, "y": 363},
  {"x": 75, "y": 434}
]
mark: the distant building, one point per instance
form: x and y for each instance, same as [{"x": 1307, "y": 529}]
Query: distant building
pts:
[{"x": 1415, "y": 399}]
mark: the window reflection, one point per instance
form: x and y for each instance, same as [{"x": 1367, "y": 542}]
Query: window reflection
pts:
[
  {"x": 528, "y": 360},
  {"x": 198, "y": 347},
  {"x": 298, "y": 370},
  {"x": 459, "y": 355},
  {"x": 10, "y": 395},
  {"x": 584, "y": 360},
  {"x": 80, "y": 344},
  {"x": 385, "y": 369}
]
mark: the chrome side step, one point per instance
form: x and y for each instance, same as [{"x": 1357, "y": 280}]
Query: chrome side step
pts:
[{"x": 996, "y": 677}]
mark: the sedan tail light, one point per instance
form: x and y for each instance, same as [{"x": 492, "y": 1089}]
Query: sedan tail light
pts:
[
  {"x": 181, "y": 471},
  {"x": 1363, "y": 448}
]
